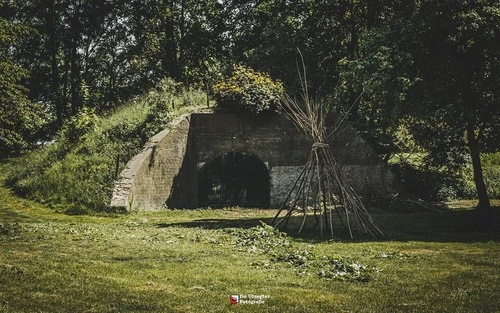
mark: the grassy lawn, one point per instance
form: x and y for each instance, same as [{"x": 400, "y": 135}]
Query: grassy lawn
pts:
[{"x": 187, "y": 261}]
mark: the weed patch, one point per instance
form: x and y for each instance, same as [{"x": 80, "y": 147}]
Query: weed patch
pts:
[
  {"x": 263, "y": 239},
  {"x": 9, "y": 228},
  {"x": 267, "y": 240}
]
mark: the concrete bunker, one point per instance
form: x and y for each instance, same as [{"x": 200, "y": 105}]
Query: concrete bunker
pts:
[
  {"x": 234, "y": 179},
  {"x": 181, "y": 167}
]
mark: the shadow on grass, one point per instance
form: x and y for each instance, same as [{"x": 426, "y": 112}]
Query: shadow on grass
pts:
[
  {"x": 450, "y": 226},
  {"x": 9, "y": 216}
]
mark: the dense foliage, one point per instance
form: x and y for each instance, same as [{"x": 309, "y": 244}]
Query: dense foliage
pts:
[
  {"x": 20, "y": 118},
  {"x": 426, "y": 71},
  {"x": 430, "y": 71},
  {"x": 248, "y": 90},
  {"x": 96, "y": 54},
  {"x": 438, "y": 184}
]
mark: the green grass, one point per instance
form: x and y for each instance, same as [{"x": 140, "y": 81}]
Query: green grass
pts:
[{"x": 187, "y": 261}]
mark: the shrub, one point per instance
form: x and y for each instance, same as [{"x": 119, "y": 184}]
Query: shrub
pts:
[
  {"x": 427, "y": 183},
  {"x": 439, "y": 185},
  {"x": 157, "y": 119},
  {"x": 491, "y": 176},
  {"x": 248, "y": 90},
  {"x": 78, "y": 125}
]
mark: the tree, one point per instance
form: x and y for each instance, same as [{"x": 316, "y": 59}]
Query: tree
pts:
[
  {"x": 176, "y": 38},
  {"x": 19, "y": 118},
  {"x": 98, "y": 53},
  {"x": 265, "y": 34},
  {"x": 433, "y": 65},
  {"x": 72, "y": 58}
]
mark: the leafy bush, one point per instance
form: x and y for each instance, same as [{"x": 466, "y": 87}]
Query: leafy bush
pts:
[
  {"x": 78, "y": 125},
  {"x": 22, "y": 125},
  {"x": 426, "y": 183},
  {"x": 248, "y": 90},
  {"x": 490, "y": 159},
  {"x": 491, "y": 176},
  {"x": 439, "y": 185},
  {"x": 158, "y": 118}
]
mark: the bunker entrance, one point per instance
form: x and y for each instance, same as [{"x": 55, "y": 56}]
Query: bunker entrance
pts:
[{"x": 234, "y": 178}]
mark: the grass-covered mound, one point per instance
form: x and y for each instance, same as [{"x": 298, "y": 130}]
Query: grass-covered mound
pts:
[{"x": 76, "y": 172}]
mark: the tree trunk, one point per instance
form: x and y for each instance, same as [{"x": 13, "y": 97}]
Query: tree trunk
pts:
[
  {"x": 472, "y": 142},
  {"x": 65, "y": 82},
  {"x": 354, "y": 44},
  {"x": 372, "y": 14},
  {"x": 181, "y": 44},
  {"x": 75, "y": 71},
  {"x": 170, "y": 59},
  {"x": 53, "y": 50}
]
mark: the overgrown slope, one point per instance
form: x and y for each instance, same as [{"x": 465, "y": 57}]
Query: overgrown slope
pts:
[{"x": 76, "y": 172}]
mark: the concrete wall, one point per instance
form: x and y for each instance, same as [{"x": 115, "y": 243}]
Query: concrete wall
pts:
[
  {"x": 166, "y": 171},
  {"x": 148, "y": 178}
]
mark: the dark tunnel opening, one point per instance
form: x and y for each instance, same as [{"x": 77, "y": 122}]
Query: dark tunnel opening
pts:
[{"x": 234, "y": 179}]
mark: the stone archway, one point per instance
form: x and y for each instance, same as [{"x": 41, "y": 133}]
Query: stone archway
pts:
[{"x": 234, "y": 179}]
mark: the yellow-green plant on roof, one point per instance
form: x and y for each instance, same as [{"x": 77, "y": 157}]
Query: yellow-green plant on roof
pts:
[{"x": 248, "y": 90}]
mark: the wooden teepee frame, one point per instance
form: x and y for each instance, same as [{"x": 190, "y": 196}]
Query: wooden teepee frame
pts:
[{"x": 320, "y": 187}]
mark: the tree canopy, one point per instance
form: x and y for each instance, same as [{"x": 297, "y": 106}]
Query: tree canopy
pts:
[
  {"x": 428, "y": 69},
  {"x": 432, "y": 69},
  {"x": 20, "y": 118}
]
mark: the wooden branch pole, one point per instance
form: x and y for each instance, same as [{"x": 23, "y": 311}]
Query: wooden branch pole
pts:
[{"x": 320, "y": 185}]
